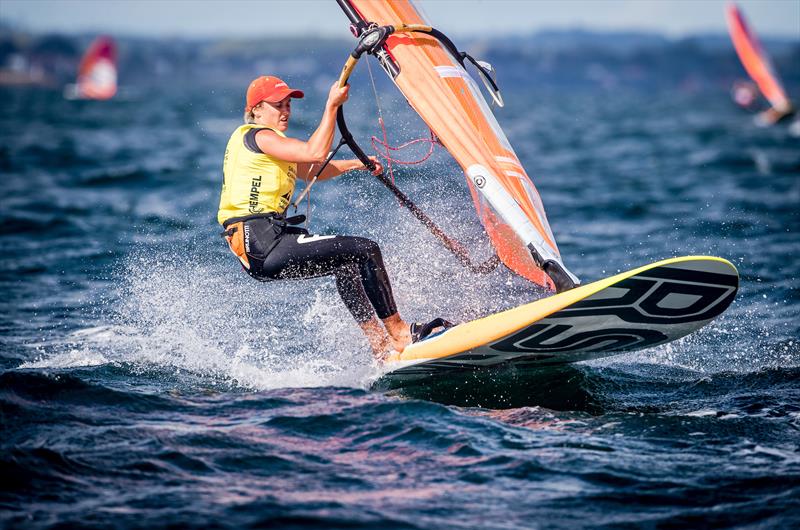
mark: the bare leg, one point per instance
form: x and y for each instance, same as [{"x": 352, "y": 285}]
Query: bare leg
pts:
[
  {"x": 399, "y": 331},
  {"x": 376, "y": 335}
]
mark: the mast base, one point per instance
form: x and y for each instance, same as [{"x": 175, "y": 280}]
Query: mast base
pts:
[{"x": 561, "y": 279}]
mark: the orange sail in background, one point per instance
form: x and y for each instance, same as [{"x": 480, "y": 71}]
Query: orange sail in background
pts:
[
  {"x": 97, "y": 73},
  {"x": 449, "y": 101},
  {"x": 756, "y": 61}
]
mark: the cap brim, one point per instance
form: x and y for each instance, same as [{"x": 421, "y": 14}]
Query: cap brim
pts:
[{"x": 283, "y": 93}]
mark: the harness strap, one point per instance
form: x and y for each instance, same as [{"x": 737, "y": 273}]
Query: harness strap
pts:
[
  {"x": 234, "y": 233},
  {"x": 271, "y": 216},
  {"x": 235, "y": 239}
]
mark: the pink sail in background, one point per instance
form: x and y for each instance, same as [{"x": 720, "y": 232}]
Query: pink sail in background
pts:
[{"x": 97, "y": 73}]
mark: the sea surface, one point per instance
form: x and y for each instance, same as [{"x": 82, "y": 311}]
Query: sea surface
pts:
[{"x": 147, "y": 382}]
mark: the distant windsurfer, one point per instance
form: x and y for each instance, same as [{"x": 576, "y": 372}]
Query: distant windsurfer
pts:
[
  {"x": 756, "y": 62},
  {"x": 260, "y": 167}
]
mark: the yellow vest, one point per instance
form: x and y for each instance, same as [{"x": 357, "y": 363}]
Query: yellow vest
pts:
[{"x": 253, "y": 182}]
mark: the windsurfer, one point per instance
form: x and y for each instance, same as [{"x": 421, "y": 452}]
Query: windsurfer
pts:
[
  {"x": 260, "y": 167},
  {"x": 757, "y": 64}
]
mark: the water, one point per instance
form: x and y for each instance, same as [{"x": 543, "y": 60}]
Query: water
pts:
[{"x": 147, "y": 382}]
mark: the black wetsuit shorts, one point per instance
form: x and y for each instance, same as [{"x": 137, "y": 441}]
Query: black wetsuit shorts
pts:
[{"x": 275, "y": 251}]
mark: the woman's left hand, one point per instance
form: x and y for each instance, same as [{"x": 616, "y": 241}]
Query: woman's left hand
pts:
[{"x": 378, "y": 166}]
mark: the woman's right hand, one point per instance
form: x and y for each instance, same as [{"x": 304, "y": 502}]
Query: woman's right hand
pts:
[{"x": 337, "y": 96}]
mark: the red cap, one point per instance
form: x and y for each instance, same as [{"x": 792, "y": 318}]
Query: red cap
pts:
[{"x": 269, "y": 88}]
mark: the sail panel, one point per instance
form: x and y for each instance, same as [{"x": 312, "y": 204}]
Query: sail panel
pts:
[
  {"x": 97, "y": 72},
  {"x": 449, "y": 101}
]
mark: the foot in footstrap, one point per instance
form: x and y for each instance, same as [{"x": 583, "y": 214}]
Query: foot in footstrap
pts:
[{"x": 420, "y": 332}]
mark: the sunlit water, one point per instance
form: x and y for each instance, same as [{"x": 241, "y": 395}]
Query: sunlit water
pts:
[{"x": 147, "y": 381}]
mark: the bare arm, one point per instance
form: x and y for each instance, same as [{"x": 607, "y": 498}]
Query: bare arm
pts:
[
  {"x": 317, "y": 146},
  {"x": 335, "y": 168}
]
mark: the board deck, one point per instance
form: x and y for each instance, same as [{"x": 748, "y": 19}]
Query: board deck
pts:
[{"x": 637, "y": 309}]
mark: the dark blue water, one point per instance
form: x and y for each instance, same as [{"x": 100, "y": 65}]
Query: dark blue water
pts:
[{"x": 147, "y": 382}]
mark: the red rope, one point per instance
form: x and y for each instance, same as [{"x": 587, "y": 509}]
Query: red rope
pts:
[
  {"x": 386, "y": 146},
  {"x": 385, "y": 150}
]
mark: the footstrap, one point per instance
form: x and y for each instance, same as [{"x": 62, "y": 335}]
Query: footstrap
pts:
[{"x": 421, "y": 332}]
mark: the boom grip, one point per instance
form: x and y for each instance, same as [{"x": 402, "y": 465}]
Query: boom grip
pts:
[
  {"x": 407, "y": 28},
  {"x": 347, "y": 70}
]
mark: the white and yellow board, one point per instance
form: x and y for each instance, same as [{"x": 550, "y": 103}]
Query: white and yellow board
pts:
[{"x": 637, "y": 309}]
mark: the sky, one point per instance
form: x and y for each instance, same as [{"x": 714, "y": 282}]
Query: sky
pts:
[{"x": 259, "y": 18}]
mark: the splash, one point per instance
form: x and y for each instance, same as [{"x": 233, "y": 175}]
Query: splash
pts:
[
  {"x": 186, "y": 307},
  {"x": 189, "y": 313}
]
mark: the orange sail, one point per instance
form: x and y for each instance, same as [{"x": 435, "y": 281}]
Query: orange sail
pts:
[
  {"x": 756, "y": 61},
  {"x": 442, "y": 92},
  {"x": 97, "y": 73}
]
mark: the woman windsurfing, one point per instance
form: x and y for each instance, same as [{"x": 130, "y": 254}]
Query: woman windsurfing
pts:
[
  {"x": 259, "y": 171},
  {"x": 758, "y": 65}
]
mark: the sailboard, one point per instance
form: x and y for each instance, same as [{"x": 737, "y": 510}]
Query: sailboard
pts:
[
  {"x": 97, "y": 72},
  {"x": 637, "y": 309},
  {"x": 757, "y": 63}
]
